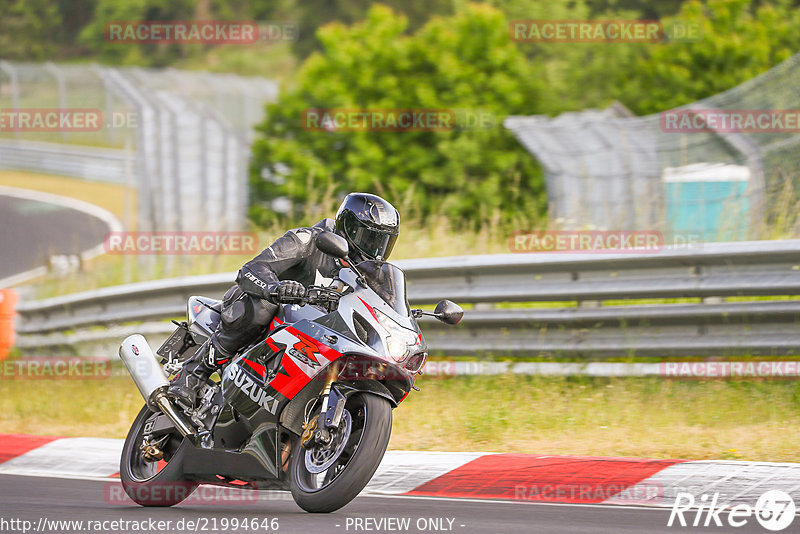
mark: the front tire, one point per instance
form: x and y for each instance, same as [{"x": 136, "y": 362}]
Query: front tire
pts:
[
  {"x": 151, "y": 483},
  {"x": 327, "y": 491}
]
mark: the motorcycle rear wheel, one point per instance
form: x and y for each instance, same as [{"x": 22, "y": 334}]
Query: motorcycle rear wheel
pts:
[
  {"x": 151, "y": 483},
  {"x": 356, "y": 462}
]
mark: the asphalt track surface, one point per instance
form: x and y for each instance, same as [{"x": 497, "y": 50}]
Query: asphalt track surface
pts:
[
  {"x": 41, "y": 500},
  {"x": 31, "y": 231}
]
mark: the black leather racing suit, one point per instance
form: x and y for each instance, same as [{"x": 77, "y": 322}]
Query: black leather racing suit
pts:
[{"x": 245, "y": 310}]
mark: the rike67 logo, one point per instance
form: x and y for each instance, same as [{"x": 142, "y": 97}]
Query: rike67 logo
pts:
[{"x": 774, "y": 511}]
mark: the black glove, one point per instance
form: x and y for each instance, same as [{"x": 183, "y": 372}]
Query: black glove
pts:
[{"x": 287, "y": 290}]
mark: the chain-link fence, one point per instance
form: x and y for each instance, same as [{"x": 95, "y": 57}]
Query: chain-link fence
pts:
[
  {"x": 723, "y": 168},
  {"x": 181, "y": 139}
]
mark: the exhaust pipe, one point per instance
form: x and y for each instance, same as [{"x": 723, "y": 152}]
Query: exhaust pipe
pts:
[{"x": 151, "y": 380}]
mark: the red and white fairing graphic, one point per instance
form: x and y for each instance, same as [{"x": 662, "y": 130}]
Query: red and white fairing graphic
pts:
[{"x": 304, "y": 358}]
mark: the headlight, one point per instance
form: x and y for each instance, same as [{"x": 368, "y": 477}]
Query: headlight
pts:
[{"x": 399, "y": 340}]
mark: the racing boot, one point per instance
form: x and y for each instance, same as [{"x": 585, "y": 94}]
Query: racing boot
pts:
[{"x": 193, "y": 375}]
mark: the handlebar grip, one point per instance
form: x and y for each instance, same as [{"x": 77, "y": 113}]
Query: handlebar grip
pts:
[
  {"x": 310, "y": 298},
  {"x": 285, "y": 300}
]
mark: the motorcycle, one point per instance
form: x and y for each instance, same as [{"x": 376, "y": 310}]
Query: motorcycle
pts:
[{"x": 307, "y": 407}]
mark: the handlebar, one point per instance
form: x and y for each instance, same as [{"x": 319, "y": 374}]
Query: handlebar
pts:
[{"x": 315, "y": 295}]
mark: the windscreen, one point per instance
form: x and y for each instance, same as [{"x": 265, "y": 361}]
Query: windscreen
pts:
[{"x": 389, "y": 282}]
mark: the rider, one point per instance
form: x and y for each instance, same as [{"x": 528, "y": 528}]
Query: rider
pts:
[{"x": 369, "y": 223}]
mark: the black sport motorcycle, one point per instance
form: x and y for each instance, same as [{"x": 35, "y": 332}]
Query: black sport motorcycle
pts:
[{"x": 308, "y": 407}]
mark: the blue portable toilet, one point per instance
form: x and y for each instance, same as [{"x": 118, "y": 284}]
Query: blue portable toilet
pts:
[{"x": 708, "y": 201}]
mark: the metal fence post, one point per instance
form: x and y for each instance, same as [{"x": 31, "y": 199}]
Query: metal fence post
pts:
[
  {"x": 9, "y": 69},
  {"x": 62, "y": 90}
]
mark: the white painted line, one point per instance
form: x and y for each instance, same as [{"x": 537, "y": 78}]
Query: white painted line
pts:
[
  {"x": 24, "y": 473},
  {"x": 19, "y": 278},
  {"x": 519, "y": 502},
  {"x": 736, "y": 482},
  {"x": 114, "y": 225},
  {"x": 402, "y": 471},
  {"x": 70, "y": 456}
]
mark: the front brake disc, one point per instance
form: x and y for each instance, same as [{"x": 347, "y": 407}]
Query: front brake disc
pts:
[{"x": 318, "y": 459}]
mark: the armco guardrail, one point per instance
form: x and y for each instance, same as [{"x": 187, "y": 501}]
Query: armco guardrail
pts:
[
  {"x": 87, "y": 163},
  {"x": 592, "y": 328}
]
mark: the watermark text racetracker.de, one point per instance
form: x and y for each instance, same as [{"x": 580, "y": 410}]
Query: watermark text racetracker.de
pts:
[
  {"x": 599, "y": 31},
  {"x": 396, "y": 119},
  {"x": 51, "y": 120},
  {"x": 199, "y": 32},
  {"x": 181, "y": 243},
  {"x": 64, "y": 120},
  {"x": 696, "y": 120},
  {"x": 788, "y": 369},
  {"x": 598, "y": 241},
  {"x": 204, "y": 495},
  {"x": 60, "y": 368},
  {"x": 590, "y": 492}
]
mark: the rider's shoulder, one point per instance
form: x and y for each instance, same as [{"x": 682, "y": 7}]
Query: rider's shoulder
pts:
[
  {"x": 325, "y": 224},
  {"x": 305, "y": 233}
]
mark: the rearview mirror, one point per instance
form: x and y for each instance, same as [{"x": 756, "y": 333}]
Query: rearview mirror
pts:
[
  {"x": 332, "y": 244},
  {"x": 448, "y": 312}
]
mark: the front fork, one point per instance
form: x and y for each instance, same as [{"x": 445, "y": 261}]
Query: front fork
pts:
[{"x": 319, "y": 428}]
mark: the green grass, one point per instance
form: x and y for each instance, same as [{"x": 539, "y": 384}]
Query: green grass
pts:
[
  {"x": 103, "y": 407},
  {"x": 639, "y": 417},
  {"x": 274, "y": 61}
]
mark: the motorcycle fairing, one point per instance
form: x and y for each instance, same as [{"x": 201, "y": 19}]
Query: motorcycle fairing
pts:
[
  {"x": 203, "y": 314},
  {"x": 258, "y": 384},
  {"x": 266, "y": 388}
]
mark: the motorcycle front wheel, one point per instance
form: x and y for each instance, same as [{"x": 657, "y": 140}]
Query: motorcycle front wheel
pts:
[
  {"x": 147, "y": 482},
  {"x": 325, "y": 479}
]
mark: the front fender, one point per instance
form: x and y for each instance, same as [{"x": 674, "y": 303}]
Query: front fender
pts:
[{"x": 351, "y": 387}]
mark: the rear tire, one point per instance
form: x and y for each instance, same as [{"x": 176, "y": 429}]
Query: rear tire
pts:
[
  {"x": 358, "y": 461},
  {"x": 145, "y": 482}
]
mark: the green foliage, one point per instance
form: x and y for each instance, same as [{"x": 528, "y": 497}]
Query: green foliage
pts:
[
  {"x": 270, "y": 60},
  {"x": 312, "y": 15},
  {"x": 576, "y": 75},
  {"x": 462, "y": 62},
  {"x": 738, "y": 40},
  {"x": 425, "y": 54},
  {"x": 27, "y": 28},
  {"x": 75, "y": 15},
  {"x": 93, "y": 35},
  {"x": 648, "y": 10}
]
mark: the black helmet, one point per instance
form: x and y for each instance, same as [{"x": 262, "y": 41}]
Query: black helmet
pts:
[{"x": 370, "y": 225}]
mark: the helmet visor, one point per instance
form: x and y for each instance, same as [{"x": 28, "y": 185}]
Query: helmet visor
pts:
[{"x": 373, "y": 243}]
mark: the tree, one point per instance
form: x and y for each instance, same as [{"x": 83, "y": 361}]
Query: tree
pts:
[
  {"x": 27, "y": 29},
  {"x": 310, "y": 16},
  {"x": 648, "y": 10},
  {"x": 93, "y": 35},
  {"x": 75, "y": 15},
  {"x": 463, "y": 62},
  {"x": 737, "y": 41}
]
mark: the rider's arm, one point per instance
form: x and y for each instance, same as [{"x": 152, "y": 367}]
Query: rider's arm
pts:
[{"x": 258, "y": 274}]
